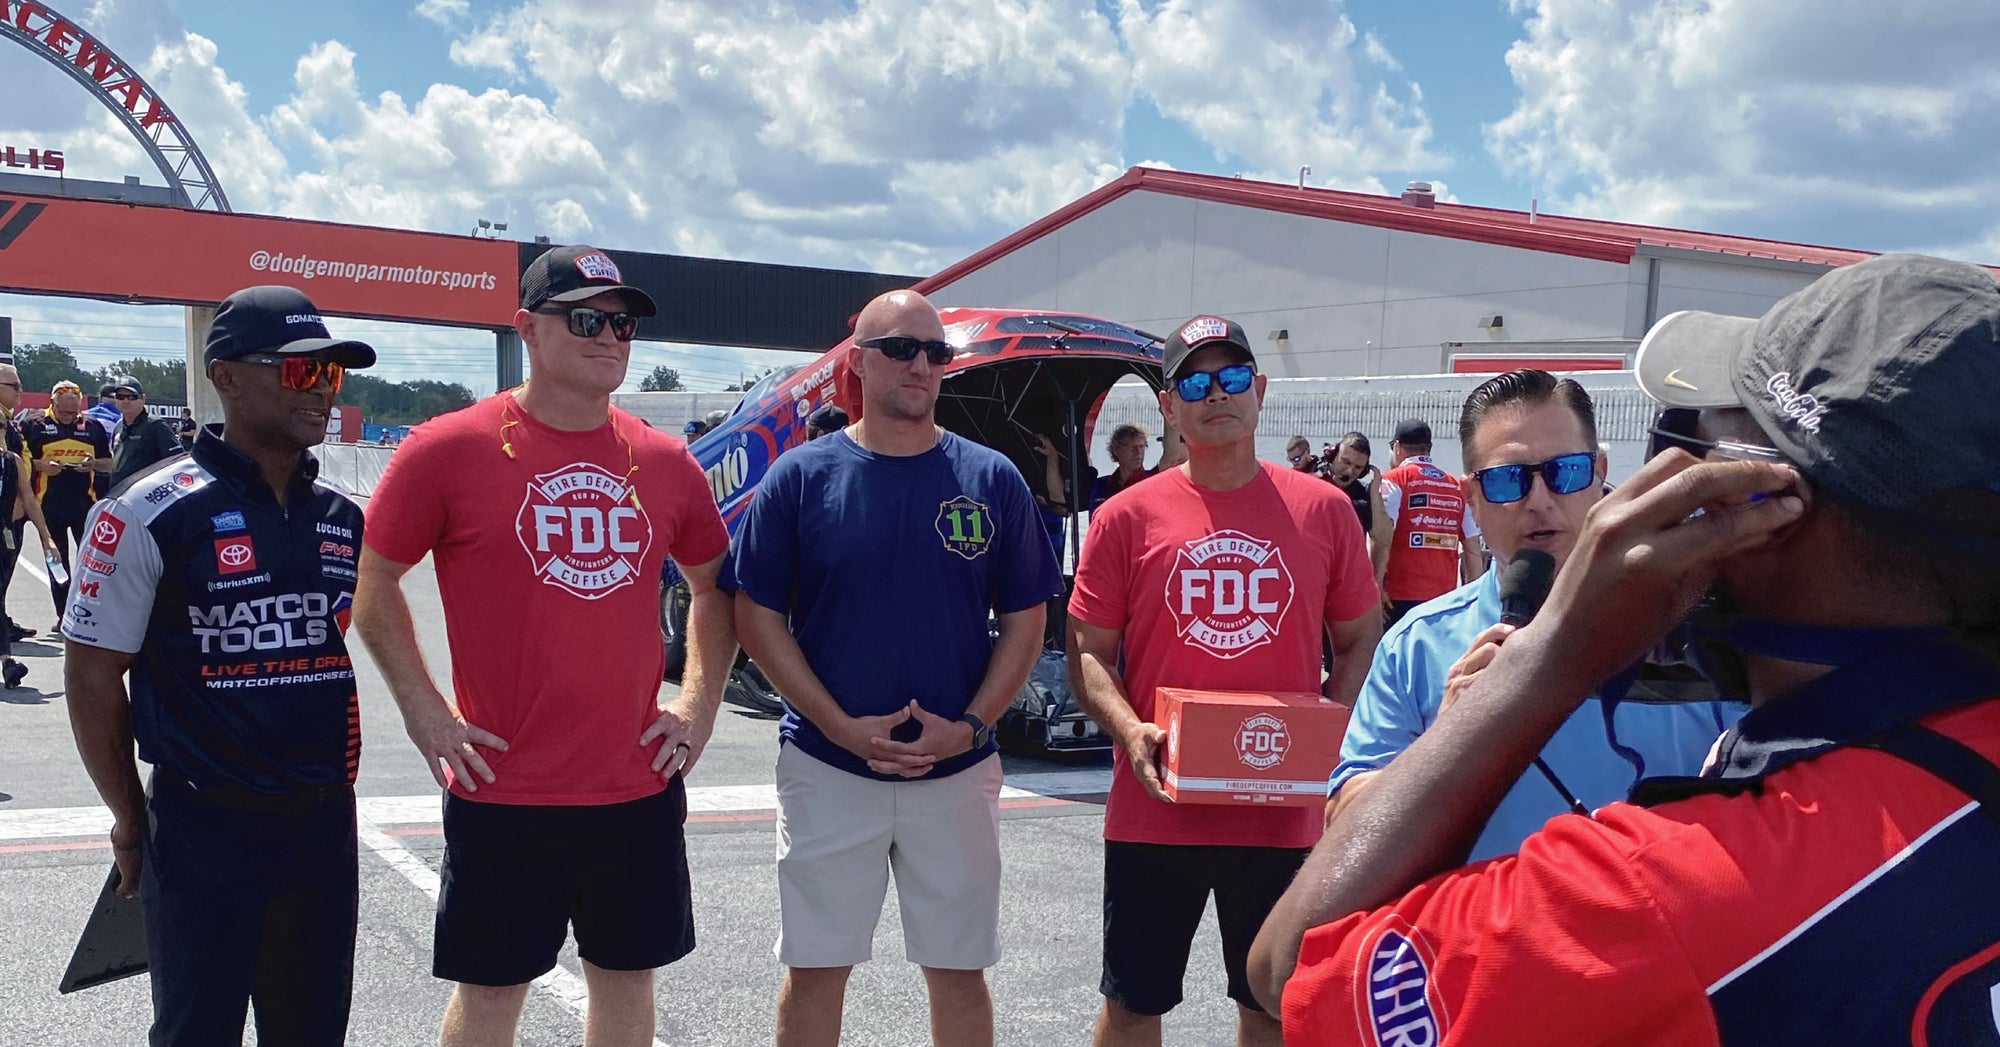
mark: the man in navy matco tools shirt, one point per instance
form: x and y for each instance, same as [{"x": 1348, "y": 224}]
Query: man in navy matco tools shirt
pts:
[{"x": 222, "y": 581}]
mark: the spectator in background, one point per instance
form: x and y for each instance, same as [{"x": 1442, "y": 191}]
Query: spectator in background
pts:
[
  {"x": 693, "y": 430},
  {"x": 1299, "y": 453},
  {"x": 69, "y": 450},
  {"x": 1351, "y": 470},
  {"x": 828, "y": 419},
  {"x": 105, "y": 410},
  {"x": 187, "y": 428},
  {"x": 1127, "y": 447},
  {"x": 1433, "y": 542},
  {"x": 142, "y": 440},
  {"x": 16, "y": 494}
]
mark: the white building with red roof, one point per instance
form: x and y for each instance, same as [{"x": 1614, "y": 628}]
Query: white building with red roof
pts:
[{"x": 1332, "y": 284}]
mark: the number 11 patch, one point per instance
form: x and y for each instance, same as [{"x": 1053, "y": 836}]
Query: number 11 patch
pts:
[{"x": 966, "y": 527}]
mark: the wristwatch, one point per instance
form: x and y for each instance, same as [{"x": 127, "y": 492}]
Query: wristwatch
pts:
[{"x": 981, "y": 732}]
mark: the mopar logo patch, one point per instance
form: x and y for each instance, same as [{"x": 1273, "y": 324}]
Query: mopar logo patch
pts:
[
  {"x": 1402, "y": 1007},
  {"x": 1418, "y": 501}
]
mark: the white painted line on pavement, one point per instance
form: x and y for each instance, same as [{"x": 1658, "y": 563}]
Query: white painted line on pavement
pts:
[
  {"x": 46, "y": 823},
  {"x": 566, "y": 989}
]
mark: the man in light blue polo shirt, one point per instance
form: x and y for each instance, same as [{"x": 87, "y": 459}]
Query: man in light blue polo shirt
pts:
[{"x": 1530, "y": 445}]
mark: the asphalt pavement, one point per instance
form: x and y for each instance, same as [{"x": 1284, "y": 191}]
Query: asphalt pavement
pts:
[{"x": 53, "y": 858}]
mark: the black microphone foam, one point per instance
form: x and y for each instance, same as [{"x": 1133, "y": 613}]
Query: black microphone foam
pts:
[{"x": 1524, "y": 583}]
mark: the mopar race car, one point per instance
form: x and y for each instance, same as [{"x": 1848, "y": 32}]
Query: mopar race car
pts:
[{"x": 1018, "y": 375}]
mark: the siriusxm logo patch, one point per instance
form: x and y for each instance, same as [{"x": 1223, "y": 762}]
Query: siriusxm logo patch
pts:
[
  {"x": 229, "y": 521},
  {"x": 1401, "y": 1012}
]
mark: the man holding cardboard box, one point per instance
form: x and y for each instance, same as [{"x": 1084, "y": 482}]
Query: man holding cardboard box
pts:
[{"x": 1221, "y": 575}]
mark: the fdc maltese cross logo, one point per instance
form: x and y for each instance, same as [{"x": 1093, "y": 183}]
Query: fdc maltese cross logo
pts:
[
  {"x": 966, "y": 527},
  {"x": 583, "y": 530},
  {"x": 1229, "y": 592}
]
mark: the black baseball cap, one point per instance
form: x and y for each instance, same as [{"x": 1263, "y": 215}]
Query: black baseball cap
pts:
[
  {"x": 572, "y": 274},
  {"x": 1413, "y": 432},
  {"x": 1200, "y": 333},
  {"x": 1878, "y": 380},
  {"x": 281, "y": 320},
  {"x": 124, "y": 381}
]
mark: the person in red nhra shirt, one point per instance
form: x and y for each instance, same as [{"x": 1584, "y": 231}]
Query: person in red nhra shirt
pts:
[
  {"x": 550, "y": 514},
  {"x": 1829, "y": 878}
]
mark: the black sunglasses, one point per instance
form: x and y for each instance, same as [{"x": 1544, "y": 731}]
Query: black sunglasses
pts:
[
  {"x": 585, "y": 322},
  {"x": 1234, "y": 380},
  {"x": 1564, "y": 474},
  {"x": 124, "y": 396},
  {"x": 902, "y": 347},
  {"x": 1675, "y": 427}
]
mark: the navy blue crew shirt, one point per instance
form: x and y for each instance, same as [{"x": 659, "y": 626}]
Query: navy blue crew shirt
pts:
[{"x": 889, "y": 569}]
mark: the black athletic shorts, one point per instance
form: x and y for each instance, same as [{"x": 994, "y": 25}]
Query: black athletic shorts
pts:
[
  {"x": 516, "y": 878},
  {"x": 1154, "y": 895}
]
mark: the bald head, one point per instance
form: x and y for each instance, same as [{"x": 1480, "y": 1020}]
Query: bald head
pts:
[{"x": 904, "y": 313}]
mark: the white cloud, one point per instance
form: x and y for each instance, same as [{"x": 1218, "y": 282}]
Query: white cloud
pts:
[
  {"x": 1277, "y": 84},
  {"x": 444, "y": 12},
  {"x": 1828, "y": 120},
  {"x": 895, "y": 135}
]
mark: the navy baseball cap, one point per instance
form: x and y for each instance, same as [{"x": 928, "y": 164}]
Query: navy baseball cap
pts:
[
  {"x": 1413, "y": 432},
  {"x": 1200, "y": 333},
  {"x": 280, "y": 320},
  {"x": 572, "y": 274},
  {"x": 1878, "y": 380}
]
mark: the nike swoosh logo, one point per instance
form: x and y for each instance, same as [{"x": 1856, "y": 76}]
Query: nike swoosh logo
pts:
[{"x": 1674, "y": 379}]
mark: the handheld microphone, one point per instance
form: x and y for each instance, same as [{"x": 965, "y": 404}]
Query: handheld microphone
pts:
[{"x": 1524, "y": 584}]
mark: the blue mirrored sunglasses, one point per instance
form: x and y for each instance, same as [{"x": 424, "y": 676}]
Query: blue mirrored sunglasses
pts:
[
  {"x": 1234, "y": 379},
  {"x": 1565, "y": 474}
]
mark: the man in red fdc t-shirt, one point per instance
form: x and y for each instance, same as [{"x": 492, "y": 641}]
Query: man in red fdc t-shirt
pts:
[
  {"x": 549, "y": 515},
  {"x": 1156, "y": 593},
  {"x": 1829, "y": 877}
]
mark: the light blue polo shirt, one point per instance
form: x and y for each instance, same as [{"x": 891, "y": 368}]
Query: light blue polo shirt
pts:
[{"x": 1405, "y": 686}]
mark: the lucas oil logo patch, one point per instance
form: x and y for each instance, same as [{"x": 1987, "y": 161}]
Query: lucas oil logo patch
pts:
[
  {"x": 583, "y": 530},
  {"x": 1399, "y": 1004},
  {"x": 966, "y": 527},
  {"x": 1229, "y": 593}
]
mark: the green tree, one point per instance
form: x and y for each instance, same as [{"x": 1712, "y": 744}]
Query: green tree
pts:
[
  {"x": 663, "y": 380},
  {"x": 165, "y": 380},
  {"x": 403, "y": 403},
  {"x": 42, "y": 366}
]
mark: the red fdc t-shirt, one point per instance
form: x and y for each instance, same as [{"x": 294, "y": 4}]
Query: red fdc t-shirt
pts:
[
  {"x": 548, "y": 566},
  {"x": 1153, "y": 567}
]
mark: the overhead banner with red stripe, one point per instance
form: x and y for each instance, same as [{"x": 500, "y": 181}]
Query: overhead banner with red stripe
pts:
[{"x": 127, "y": 252}]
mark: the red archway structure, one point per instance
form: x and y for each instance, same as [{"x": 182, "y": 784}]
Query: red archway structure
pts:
[{"x": 64, "y": 44}]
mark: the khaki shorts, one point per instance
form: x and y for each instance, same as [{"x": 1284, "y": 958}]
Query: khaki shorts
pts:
[{"x": 839, "y": 835}]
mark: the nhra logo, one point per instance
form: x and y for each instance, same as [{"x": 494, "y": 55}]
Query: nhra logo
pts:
[
  {"x": 1402, "y": 1008},
  {"x": 583, "y": 530},
  {"x": 105, "y": 533},
  {"x": 1229, "y": 592},
  {"x": 1262, "y": 741}
]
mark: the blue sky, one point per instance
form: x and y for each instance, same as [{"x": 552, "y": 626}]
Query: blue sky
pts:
[{"x": 900, "y": 135}]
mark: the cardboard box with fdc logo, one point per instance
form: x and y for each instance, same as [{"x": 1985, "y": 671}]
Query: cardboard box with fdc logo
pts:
[{"x": 1248, "y": 748}]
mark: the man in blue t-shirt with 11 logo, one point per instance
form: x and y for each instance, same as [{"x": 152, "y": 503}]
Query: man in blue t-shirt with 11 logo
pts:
[{"x": 868, "y": 566}]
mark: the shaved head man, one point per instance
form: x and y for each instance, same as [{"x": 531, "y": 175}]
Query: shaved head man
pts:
[{"x": 875, "y": 632}]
